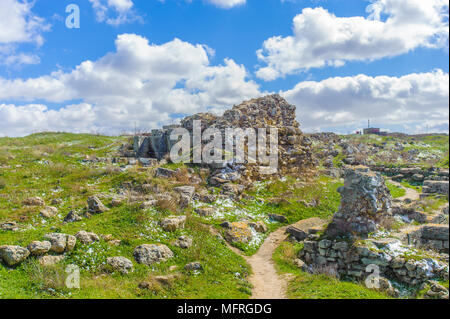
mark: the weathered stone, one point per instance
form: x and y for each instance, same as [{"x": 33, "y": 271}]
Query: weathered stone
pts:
[
  {"x": 87, "y": 237},
  {"x": 39, "y": 247},
  {"x": 13, "y": 255},
  {"x": 260, "y": 227},
  {"x": 171, "y": 224},
  {"x": 365, "y": 198},
  {"x": 34, "y": 201},
  {"x": 165, "y": 172},
  {"x": 205, "y": 211},
  {"x": 238, "y": 232},
  {"x": 149, "y": 254},
  {"x": 278, "y": 218},
  {"x": 120, "y": 264},
  {"x": 61, "y": 242},
  {"x": 185, "y": 190},
  {"x": 95, "y": 206},
  {"x": 49, "y": 260},
  {"x": 49, "y": 212},
  {"x": 72, "y": 217},
  {"x": 184, "y": 242},
  {"x": 194, "y": 266}
]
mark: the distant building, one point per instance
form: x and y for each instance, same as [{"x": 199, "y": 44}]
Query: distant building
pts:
[{"x": 374, "y": 130}]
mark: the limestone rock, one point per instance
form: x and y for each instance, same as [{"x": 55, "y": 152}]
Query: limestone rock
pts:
[
  {"x": 173, "y": 223},
  {"x": 87, "y": 237},
  {"x": 39, "y": 247},
  {"x": 194, "y": 266},
  {"x": 72, "y": 217},
  {"x": 49, "y": 260},
  {"x": 120, "y": 264},
  {"x": 95, "y": 206},
  {"x": 34, "y": 201},
  {"x": 49, "y": 211},
  {"x": 205, "y": 211},
  {"x": 13, "y": 255},
  {"x": 61, "y": 242},
  {"x": 149, "y": 254},
  {"x": 238, "y": 232},
  {"x": 184, "y": 242}
]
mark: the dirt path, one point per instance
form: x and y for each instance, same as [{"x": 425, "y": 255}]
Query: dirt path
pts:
[
  {"x": 267, "y": 284},
  {"x": 411, "y": 194}
]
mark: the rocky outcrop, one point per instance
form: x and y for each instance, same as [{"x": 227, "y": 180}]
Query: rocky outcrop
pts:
[
  {"x": 86, "y": 237},
  {"x": 295, "y": 155},
  {"x": 238, "y": 232},
  {"x": 365, "y": 199}
]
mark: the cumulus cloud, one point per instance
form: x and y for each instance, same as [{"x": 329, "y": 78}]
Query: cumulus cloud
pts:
[
  {"x": 18, "y": 24},
  {"x": 320, "y": 39},
  {"x": 412, "y": 101},
  {"x": 227, "y": 4},
  {"x": 139, "y": 83},
  {"x": 114, "y": 12}
]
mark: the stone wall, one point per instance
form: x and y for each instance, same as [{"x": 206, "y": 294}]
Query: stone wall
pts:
[
  {"x": 434, "y": 237},
  {"x": 352, "y": 261}
]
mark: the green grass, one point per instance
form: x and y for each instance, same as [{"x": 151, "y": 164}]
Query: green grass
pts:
[
  {"x": 395, "y": 190},
  {"x": 308, "y": 286},
  {"x": 50, "y": 165}
]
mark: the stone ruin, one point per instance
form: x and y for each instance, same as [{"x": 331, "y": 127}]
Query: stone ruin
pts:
[
  {"x": 365, "y": 199},
  {"x": 352, "y": 244},
  {"x": 294, "y": 148}
]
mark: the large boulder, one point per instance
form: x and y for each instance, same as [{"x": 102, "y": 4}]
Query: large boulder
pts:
[
  {"x": 238, "y": 232},
  {"x": 39, "y": 247},
  {"x": 86, "y": 237},
  {"x": 149, "y": 254},
  {"x": 61, "y": 242},
  {"x": 13, "y": 255}
]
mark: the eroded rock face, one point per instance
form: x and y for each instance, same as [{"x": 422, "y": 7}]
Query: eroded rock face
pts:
[
  {"x": 13, "y": 255},
  {"x": 365, "y": 199},
  {"x": 435, "y": 237},
  {"x": 149, "y": 254}
]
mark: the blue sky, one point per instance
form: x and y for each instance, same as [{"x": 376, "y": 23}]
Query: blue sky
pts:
[{"x": 392, "y": 67}]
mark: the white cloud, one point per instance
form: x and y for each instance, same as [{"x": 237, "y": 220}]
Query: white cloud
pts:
[
  {"x": 412, "y": 99},
  {"x": 19, "y": 25},
  {"x": 115, "y": 12},
  {"x": 319, "y": 39},
  {"x": 227, "y": 4},
  {"x": 139, "y": 83}
]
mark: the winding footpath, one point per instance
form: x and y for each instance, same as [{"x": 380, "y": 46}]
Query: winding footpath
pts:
[{"x": 267, "y": 284}]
